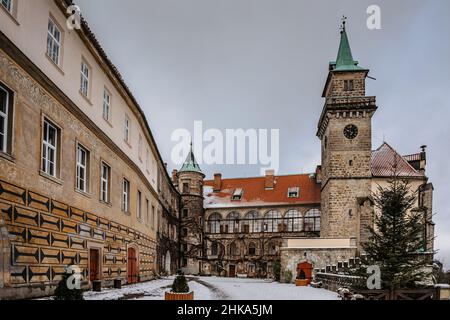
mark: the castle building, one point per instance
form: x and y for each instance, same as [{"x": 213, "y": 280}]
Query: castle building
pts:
[
  {"x": 82, "y": 181},
  {"x": 246, "y": 225}
]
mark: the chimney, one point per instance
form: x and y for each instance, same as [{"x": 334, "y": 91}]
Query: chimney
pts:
[
  {"x": 319, "y": 174},
  {"x": 174, "y": 175},
  {"x": 270, "y": 179},
  {"x": 217, "y": 182},
  {"x": 423, "y": 159}
]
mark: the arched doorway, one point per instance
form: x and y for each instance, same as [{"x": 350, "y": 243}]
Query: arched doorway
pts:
[
  {"x": 167, "y": 263},
  {"x": 304, "y": 272},
  {"x": 132, "y": 270}
]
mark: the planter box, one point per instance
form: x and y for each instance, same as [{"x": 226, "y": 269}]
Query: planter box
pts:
[
  {"x": 301, "y": 282},
  {"x": 97, "y": 286},
  {"x": 171, "y": 296}
]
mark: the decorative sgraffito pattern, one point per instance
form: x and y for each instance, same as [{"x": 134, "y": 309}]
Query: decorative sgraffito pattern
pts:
[{"x": 48, "y": 235}]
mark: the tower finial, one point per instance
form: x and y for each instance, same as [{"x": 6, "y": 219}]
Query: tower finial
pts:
[{"x": 343, "y": 21}]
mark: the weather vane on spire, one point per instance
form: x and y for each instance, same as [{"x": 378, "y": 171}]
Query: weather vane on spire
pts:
[{"x": 343, "y": 21}]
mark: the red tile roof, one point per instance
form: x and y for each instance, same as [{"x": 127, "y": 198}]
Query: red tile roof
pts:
[
  {"x": 386, "y": 161},
  {"x": 255, "y": 194}
]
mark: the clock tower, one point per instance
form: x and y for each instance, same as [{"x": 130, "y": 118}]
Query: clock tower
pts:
[{"x": 345, "y": 131}]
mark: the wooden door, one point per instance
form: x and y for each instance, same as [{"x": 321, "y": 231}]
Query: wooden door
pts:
[
  {"x": 93, "y": 264},
  {"x": 232, "y": 271},
  {"x": 132, "y": 266},
  {"x": 304, "y": 271}
]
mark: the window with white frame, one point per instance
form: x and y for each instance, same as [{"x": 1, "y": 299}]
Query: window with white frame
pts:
[
  {"x": 126, "y": 129},
  {"x": 125, "y": 195},
  {"x": 85, "y": 74},
  {"x": 139, "y": 205},
  {"x": 237, "y": 195},
  {"x": 53, "y": 41},
  {"x": 50, "y": 140},
  {"x": 147, "y": 211},
  {"x": 105, "y": 182},
  {"x": 140, "y": 147},
  {"x": 8, "y": 5},
  {"x": 293, "y": 192},
  {"x": 153, "y": 217},
  {"x": 106, "y": 105},
  {"x": 82, "y": 168},
  {"x": 5, "y": 119}
]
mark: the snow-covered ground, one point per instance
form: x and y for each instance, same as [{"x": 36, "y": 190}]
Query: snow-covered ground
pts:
[{"x": 213, "y": 288}]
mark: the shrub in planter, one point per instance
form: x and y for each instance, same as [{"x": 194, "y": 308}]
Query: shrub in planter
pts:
[
  {"x": 277, "y": 270},
  {"x": 180, "y": 289}
]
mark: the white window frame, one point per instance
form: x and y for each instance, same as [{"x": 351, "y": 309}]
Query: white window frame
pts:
[
  {"x": 292, "y": 190},
  {"x": 85, "y": 74},
  {"x": 147, "y": 211},
  {"x": 126, "y": 129},
  {"x": 82, "y": 169},
  {"x": 8, "y": 5},
  {"x": 105, "y": 182},
  {"x": 47, "y": 146},
  {"x": 125, "y": 195},
  {"x": 106, "y": 105},
  {"x": 53, "y": 44},
  {"x": 153, "y": 217},
  {"x": 4, "y": 117},
  {"x": 237, "y": 194}
]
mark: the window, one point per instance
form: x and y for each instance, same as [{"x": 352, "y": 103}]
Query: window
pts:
[
  {"x": 139, "y": 205},
  {"x": 232, "y": 223},
  {"x": 7, "y": 4},
  {"x": 147, "y": 210},
  {"x": 293, "y": 221},
  {"x": 126, "y": 195},
  {"x": 105, "y": 183},
  {"x": 84, "y": 86},
  {"x": 82, "y": 169},
  {"x": 251, "y": 223},
  {"x": 237, "y": 195},
  {"x": 272, "y": 221},
  {"x": 147, "y": 161},
  {"x": 50, "y": 141},
  {"x": 186, "y": 187},
  {"x": 348, "y": 85},
  {"x": 6, "y": 105},
  {"x": 214, "y": 223},
  {"x": 251, "y": 249},
  {"x": 126, "y": 129},
  {"x": 312, "y": 220},
  {"x": 185, "y": 213},
  {"x": 184, "y": 232},
  {"x": 53, "y": 41},
  {"x": 140, "y": 148},
  {"x": 153, "y": 217},
  {"x": 233, "y": 250},
  {"x": 214, "y": 249},
  {"x": 293, "y": 192},
  {"x": 106, "y": 105}
]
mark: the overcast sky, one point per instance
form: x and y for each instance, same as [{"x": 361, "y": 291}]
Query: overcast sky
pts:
[{"x": 263, "y": 63}]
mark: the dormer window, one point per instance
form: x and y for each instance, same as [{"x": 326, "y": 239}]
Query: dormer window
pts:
[
  {"x": 237, "y": 195},
  {"x": 293, "y": 192},
  {"x": 348, "y": 85}
]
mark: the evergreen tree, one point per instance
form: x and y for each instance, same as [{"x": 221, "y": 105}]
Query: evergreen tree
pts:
[
  {"x": 180, "y": 284},
  {"x": 396, "y": 239}
]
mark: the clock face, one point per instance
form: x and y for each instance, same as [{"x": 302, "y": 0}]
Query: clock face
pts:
[{"x": 351, "y": 131}]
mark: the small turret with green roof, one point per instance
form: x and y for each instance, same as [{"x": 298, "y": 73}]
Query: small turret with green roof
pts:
[{"x": 191, "y": 165}]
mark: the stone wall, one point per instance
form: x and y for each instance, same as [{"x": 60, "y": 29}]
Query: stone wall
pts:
[{"x": 320, "y": 258}]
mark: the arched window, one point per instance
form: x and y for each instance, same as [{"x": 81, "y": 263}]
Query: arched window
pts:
[
  {"x": 251, "y": 249},
  {"x": 214, "y": 249},
  {"x": 251, "y": 224},
  {"x": 214, "y": 223},
  {"x": 312, "y": 220},
  {"x": 272, "y": 221},
  {"x": 293, "y": 221},
  {"x": 232, "y": 223},
  {"x": 233, "y": 250}
]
